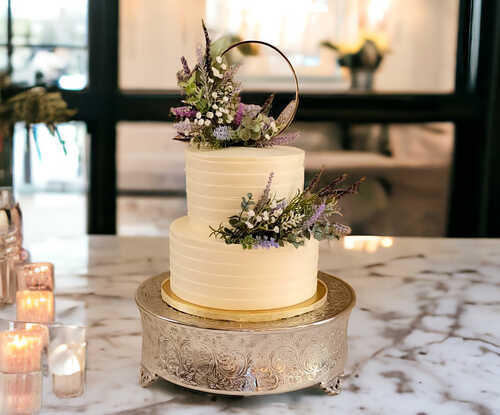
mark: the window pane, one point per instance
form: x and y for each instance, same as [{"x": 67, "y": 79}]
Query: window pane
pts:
[
  {"x": 50, "y": 22},
  {"x": 64, "y": 67},
  {"x": 417, "y": 39},
  {"x": 50, "y": 185},
  {"x": 405, "y": 194},
  {"x": 3, "y": 59},
  {"x": 3, "y": 21}
]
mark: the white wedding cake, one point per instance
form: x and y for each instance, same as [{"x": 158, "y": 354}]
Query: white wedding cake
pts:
[
  {"x": 206, "y": 271},
  {"x": 250, "y": 239}
]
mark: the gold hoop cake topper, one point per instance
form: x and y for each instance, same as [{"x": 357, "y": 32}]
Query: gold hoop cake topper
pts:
[
  {"x": 296, "y": 81},
  {"x": 213, "y": 115}
]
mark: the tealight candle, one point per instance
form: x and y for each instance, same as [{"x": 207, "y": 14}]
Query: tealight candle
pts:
[
  {"x": 67, "y": 360},
  {"x": 35, "y": 276},
  {"x": 35, "y": 306},
  {"x": 20, "y": 351}
]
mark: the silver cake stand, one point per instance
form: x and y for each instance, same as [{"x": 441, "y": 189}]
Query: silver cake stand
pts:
[{"x": 233, "y": 358}]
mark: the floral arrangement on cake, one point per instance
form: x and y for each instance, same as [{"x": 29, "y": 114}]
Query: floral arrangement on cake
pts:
[
  {"x": 272, "y": 223},
  {"x": 214, "y": 116}
]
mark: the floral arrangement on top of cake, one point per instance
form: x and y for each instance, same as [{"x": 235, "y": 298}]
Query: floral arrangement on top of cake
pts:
[
  {"x": 214, "y": 116},
  {"x": 271, "y": 223}
]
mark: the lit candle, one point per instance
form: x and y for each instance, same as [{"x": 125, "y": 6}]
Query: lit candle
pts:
[
  {"x": 67, "y": 360},
  {"x": 67, "y": 365},
  {"x": 35, "y": 306},
  {"x": 20, "y": 351}
]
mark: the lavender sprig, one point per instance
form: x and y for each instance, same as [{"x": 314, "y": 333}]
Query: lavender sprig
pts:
[
  {"x": 265, "y": 194},
  {"x": 316, "y": 215}
]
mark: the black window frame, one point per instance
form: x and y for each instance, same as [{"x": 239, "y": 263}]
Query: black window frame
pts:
[{"x": 472, "y": 107}]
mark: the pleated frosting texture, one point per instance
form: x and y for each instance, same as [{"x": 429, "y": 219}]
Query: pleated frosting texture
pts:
[
  {"x": 216, "y": 180},
  {"x": 206, "y": 271}
]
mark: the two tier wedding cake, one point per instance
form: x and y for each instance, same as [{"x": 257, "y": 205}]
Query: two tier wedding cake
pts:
[{"x": 250, "y": 239}]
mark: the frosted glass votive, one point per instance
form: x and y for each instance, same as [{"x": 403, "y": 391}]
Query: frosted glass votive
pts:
[
  {"x": 20, "y": 351},
  {"x": 67, "y": 360},
  {"x": 35, "y": 306},
  {"x": 37, "y": 276},
  {"x": 20, "y": 393}
]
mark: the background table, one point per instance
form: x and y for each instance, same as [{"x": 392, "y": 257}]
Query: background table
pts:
[{"x": 424, "y": 337}]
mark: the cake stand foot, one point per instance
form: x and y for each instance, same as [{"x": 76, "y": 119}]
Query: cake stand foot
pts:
[
  {"x": 146, "y": 378},
  {"x": 332, "y": 386}
]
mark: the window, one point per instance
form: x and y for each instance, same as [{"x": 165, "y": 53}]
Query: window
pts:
[{"x": 49, "y": 42}]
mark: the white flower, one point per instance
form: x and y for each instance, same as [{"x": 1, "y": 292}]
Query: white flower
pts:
[
  {"x": 278, "y": 212},
  {"x": 214, "y": 94},
  {"x": 210, "y": 114},
  {"x": 267, "y": 136},
  {"x": 225, "y": 99},
  {"x": 220, "y": 120},
  {"x": 249, "y": 225},
  {"x": 265, "y": 215},
  {"x": 201, "y": 121},
  {"x": 219, "y": 114},
  {"x": 215, "y": 106},
  {"x": 258, "y": 218},
  {"x": 273, "y": 219},
  {"x": 273, "y": 204},
  {"x": 229, "y": 119},
  {"x": 223, "y": 66},
  {"x": 276, "y": 229},
  {"x": 207, "y": 122},
  {"x": 210, "y": 80},
  {"x": 251, "y": 213},
  {"x": 198, "y": 115},
  {"x": 218, "y": 59},
  {"x": 216, "y": 72}
]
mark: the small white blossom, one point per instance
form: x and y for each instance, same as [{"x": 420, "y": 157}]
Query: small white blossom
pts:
[
  {"x": 210, "y": 114},
  {"x": 220, "y": 120},
  {"x": 214, "y": 94},
  {"x": 218, "y": 59},
  {"x": 225, "y": 99},
  {"x": 198, "y": 115},
  {"x": 267, "y": 136},
  {"x": 215, "y": 106},
  {"x": 258, "y": 218},
  {"x": 201, "y": 121},
  {"x": 249, "y": 225},
  {"x": 273, "y": 219},
  {"x": 229, "y": 119},
  {"x": 273, "y": 204},
  {"x": 223, "y": 66},
  {"x": 251, "y": 213},
  {"x": 207, "y": 122},
  {"x": 210, "y": 80},
  {"x": 219, "y": 114},
  {"x": 265, "y": 215},
  {"x": 216, "y": 72},
  {"x": 276, "y": 229},
  {"x": 278, "y": 212}
]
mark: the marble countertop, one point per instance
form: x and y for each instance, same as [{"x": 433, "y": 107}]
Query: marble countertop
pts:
[{"x": 424, "y": 337}]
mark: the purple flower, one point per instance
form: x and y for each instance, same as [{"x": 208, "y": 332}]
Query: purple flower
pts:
[
  {"x": 183, "y": 127},
  {"x": 183, "y": 112},
  {"x": 315, "y": 216},
  {"x": 222, "y": 133},
  {"x": 185, "y": 65},
  {"x": 265, "y": 194},
  {"x": 266, "y": 243},
  {"x": 239, "y": 113}
]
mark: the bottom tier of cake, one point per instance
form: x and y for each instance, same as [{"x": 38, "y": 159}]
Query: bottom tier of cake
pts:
[{"x": 210, "y": 273}]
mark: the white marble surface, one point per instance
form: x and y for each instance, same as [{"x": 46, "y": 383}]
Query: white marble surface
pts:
[{"x": 424, "y": 337}]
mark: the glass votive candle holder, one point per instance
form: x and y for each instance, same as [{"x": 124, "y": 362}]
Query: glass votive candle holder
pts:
[
  {"x": 67, "y": 355},
  {"x": 21, "y": 346},
  {"x": 37, "y": 276},
  {"x": 20, "y": 393},
  {"x": 35, "y": 306}
]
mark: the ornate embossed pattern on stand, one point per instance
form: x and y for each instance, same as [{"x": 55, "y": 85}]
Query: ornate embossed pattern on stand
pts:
[{"x": 245, "y": 358}]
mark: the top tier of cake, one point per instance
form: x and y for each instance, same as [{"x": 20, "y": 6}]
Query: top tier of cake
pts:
[{"x": 217, "y": 179}]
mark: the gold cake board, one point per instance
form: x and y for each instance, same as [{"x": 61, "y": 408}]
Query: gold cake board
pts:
[{"x": 254, "y": 316}]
